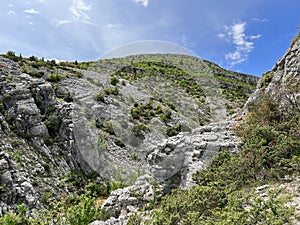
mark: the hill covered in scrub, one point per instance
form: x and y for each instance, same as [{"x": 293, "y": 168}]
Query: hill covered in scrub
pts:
[{"x": 148, "y": 139}]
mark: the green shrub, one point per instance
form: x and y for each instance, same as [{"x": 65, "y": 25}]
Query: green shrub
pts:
[
  {"x": 45, "y": 198},
  {"x": 267, "y": 78},
  {"x": 135, "y": 113},
  {"x": 134, "y": 155},
  {"x": 109, "y": 127},
  {"x": 11, "y": 218},
  {"x": 114, "y": 185},
  {"x": 11, "y": 55},
  {"x": 84, "y": 212},
  {"x": 172, "y": 131},
  {"x": 96, "y": 190},
  {"x": 114, "y": 81},
  {"x": 101, "y": 144},
  {"x": 100, "y": 97},
  {"x": 78, "y": 74},
  {"x": 54, "y": 77},
  {"x": 53, "y": 124},
  {"x": 171, "y": 105},
  {"x": 75, "y": 178},
  {"x": 75, "y": 210},
  {"x": 113, "y": 91},
  {"x": 139, "y": 130},
  {"x": 18, "y": 218},
  {"x": 219, "y": 205},
  {"x": 37, "y": 74},
  {"x": 135, "y": 219}
]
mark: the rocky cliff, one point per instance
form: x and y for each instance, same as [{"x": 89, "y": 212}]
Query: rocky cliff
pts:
[
  {"x": 146, "y": 123},
  {"x": 283, "y": 79},
  {"x": 73, "y": 132},
  {"x": 282, "y": 86},
  {"x": 64, "y": 125}
]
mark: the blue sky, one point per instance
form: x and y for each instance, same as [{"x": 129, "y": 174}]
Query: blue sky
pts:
[{"x": 242, "y": 35}]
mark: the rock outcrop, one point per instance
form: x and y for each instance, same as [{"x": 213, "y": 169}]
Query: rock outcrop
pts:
[
  {"x": 146, "y": 133},
  {"x": 282, "y": 81},
  {"x": 147, "y": 124},
  {"x": 179, "y": 157},
  {"x": 173, "y": 161},
  {"x": 32, "y": 165},
  {"x": 172, "y": 165}
]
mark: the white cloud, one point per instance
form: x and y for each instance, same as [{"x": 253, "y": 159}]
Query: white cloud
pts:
[
  {"x": 144, "y": 3},
  {"x": 114, "y": 26},
  {"x": 263, "y": 20},
  {"x": 254, "y": 36},
  {"x": 31, "y": 11},
  {"x": 222, "y": 36},
  {"x": 235, "y": 57},
  {"x": 62, "y": 22},
  {"x": 236, "y": 35},
  {"x": 11, "y": 12},
  {"x": 79, "y": 10}
]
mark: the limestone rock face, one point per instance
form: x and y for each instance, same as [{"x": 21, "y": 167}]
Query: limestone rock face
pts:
[
  {"x": 29, "y": 165},
  {"x": 182, "y": 155},
  {"x": 283, "y": 80},
  {"x": 172, "y": 164},
  {"x": 15, "y": 187},
  {"x": 146, "y": 133},
  {"x": 174, "y": 160},
  {"x": 122, "y": 203}
]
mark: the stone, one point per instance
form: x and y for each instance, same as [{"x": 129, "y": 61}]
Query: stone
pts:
[
  {"x": 6, "y": 178},
  {"x": 30, "y": 200},
  {"x": 40, "y": 130},
  {"x": 27, "y": 186},
  {"x": 196, "y": 153},
  {"x": 263, "y": 187},
  {"x": 97, "y": 222},
  {"x": 3, "y": 164}
]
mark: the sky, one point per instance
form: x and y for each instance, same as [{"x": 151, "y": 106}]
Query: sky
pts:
[{"x": 243, "y": 35}]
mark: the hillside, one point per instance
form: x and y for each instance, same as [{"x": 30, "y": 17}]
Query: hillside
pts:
[
  {"x": 73, "y": 133},
  {"x": 260, "y": 183}
]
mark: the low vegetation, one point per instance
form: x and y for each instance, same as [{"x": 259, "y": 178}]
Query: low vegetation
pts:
[
  {"x": 225, "y": 193},
  {"x": 225, "y": 190},
  {"x": 47, "y": 69},
  {"x": 266, "y": 78},
  {"x": 79, "y": 209},
  {"x": 167, "y": 71}
]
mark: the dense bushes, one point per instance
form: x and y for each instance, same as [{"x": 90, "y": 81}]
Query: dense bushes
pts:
[
  {"x": 214, "y": 205},
  {"x": 54, "y": 77},
  {"x": 224, "y": 194},
  {"x": 271, "y": 147},
  {"x": 11, "y": 55}
]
